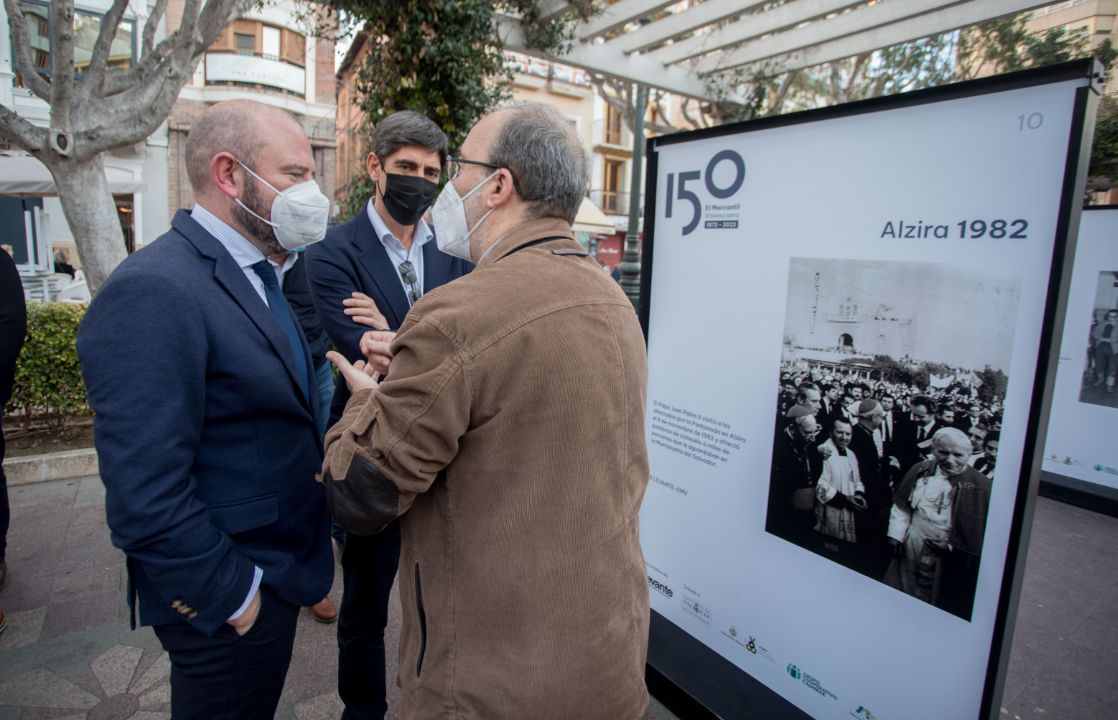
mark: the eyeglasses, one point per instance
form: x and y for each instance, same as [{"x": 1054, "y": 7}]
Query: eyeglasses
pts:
[
  {"x": 407, "y": 274},
  {"x": 454, "y": 166}
]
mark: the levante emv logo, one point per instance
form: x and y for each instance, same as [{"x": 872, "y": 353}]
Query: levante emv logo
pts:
[{"x": 722, "y": 178}]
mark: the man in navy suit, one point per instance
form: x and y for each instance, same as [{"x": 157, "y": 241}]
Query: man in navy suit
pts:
[
  {"x": 205, "y": 426},
  {"x": 368, "y": 272}
]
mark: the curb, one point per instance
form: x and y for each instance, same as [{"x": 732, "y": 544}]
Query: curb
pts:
[{"x": 64, "y": 465}]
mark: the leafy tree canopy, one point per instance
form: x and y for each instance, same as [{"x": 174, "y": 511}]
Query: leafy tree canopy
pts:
[{"x": 442, "y": 59}]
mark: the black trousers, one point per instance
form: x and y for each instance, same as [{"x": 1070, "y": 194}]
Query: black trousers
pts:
[
  {"x": 5, "y": 508},
  {"x": 231, "y": 677},
  {"x": 369, "y": 564}
]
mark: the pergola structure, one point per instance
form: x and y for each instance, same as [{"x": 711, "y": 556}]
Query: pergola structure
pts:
[{"x": 677, "y": 45}]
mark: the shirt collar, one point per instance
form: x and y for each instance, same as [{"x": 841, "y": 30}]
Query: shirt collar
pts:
[
  {"x": 244, "y": 252},
  {"x": 422, "y": 236}
]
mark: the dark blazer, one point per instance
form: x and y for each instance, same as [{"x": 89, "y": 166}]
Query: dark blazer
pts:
[
  {"x": 13, "y": 324},
  {"x": 904, "y": 445},
  {"x": 207, "y": 446},
  {"x": 352, "y": 258}
]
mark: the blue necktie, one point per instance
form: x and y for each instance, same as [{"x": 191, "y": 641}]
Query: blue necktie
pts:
[{"x": 277, "y": 303}]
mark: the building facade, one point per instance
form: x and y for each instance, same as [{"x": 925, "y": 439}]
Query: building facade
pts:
[
  {"x": 270, "y": 55},
  {"x": 267, "y": 55}
]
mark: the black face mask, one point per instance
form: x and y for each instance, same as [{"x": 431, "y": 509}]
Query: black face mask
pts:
[{"x": 407, "y": 197}]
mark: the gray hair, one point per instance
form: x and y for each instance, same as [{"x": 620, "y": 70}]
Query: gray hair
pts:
[
  {"x": 406, "y": 128},
  {"x": 549, "y": 166},
  {"x": 233, "y": 126},
  {"x": 948, "y": 435}
]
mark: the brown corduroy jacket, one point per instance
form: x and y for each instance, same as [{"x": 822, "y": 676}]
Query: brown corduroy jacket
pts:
[{"x": 509, "y": 435}]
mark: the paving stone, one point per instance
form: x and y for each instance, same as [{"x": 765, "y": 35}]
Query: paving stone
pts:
[
  {"x": 82, "y": 613},
  {"x": 91, "y": 493},
  {"x": 42, "y": 688},
  {"x": 115, "y": 668},
  {"x": 324, "y": 707},
  {"x": 158, "y": 672},
  {"x": 23, "y": 629},
  {"x": 149, "y": 715},
  {"x": 157, "y": 698}
]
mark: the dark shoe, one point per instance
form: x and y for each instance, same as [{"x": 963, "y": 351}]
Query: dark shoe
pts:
[
  {"x": 3, "y": 574},
  {"x": 324, "y": 611}
]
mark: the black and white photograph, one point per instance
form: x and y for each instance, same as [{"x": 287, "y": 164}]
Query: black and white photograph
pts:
[
  {"x": 888, "y": 418},
  {"x": 1102, "y": 345}
]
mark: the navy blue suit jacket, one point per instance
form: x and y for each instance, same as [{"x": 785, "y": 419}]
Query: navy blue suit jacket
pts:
[
  {"x": 207, "y": 446},
  {"x": 352, "y": 258}
]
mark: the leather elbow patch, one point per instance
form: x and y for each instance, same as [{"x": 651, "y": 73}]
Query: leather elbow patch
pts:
[{"x": 364, "y": 501}]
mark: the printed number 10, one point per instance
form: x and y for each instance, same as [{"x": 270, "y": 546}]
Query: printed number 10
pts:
[
  {"x": 1032, "y": 121},
  {"x": 719, "y": 192}
]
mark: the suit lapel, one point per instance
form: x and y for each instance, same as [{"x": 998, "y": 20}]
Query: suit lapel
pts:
[
  {"x": 232, "y": 279},
  {"x": 381, "y": 269},
  {"x": 436, "y": 266}
]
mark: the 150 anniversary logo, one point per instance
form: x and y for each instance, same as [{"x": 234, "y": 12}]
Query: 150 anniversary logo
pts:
[{"x": 722, "y": 177}]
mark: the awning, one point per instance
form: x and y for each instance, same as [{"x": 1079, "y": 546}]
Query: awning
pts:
[
  {"x": 22, "y": 175},
  {"x": 592, "y": 220}
]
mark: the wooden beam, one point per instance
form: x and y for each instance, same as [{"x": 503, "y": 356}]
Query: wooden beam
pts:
[{"x": 959, "y": 15}]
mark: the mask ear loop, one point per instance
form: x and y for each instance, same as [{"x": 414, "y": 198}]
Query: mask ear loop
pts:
[
  {"x": 470, "y": 231},
  {"x": 247, "y": 209}
]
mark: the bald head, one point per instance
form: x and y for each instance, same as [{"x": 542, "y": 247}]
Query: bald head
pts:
[{"x": 238, "y": 127}]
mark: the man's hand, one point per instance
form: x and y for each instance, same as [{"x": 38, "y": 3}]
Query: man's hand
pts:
[
  {"x": 247, "y": 619},
  {"x": 358, "y": 376},
  {"x": 376, "y": 346},
  {"x": 940, "y": 547},
  {"x": 897, "y": 547},
  {"x": 824, "y": 450},
  {"x": 362, "y": 310}
]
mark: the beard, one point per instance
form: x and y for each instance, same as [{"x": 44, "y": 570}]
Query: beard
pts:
[{"x": 259, "y": 229}]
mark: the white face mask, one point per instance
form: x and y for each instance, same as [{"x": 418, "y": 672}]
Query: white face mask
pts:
[
  {"x": 448, "y": 216},
  {"x": 299, "y": 214}
]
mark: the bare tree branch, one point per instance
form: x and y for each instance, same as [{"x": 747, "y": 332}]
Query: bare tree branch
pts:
[
  {"x": 150, "y": 26},
  {"x": 156, "y": 83},
  {"x": 777, "y": 101},
  {"x": 62, "y": 74},
  {"x": 22, "y": 133},
  {"x": 94, "y": 75},
  {"x": 25, "y": 64}
]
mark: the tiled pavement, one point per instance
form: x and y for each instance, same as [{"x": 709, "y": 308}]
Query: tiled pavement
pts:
[{"x": 68, "y": 653}]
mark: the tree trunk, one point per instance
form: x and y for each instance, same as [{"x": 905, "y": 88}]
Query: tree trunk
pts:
[{"x": 84, "y": 193}]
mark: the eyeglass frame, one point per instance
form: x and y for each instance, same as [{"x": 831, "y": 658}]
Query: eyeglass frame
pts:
[
  {"x": 454, "y": 169},
  {"x": 407, "y": 274}
]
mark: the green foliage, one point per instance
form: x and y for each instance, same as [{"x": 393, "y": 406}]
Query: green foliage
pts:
[
  {"x": 49, "y": 384},
  {"x": 442, "y": 59},
  {"x": 1104, "y": 152},
  {"x": 994, "y": 383}
]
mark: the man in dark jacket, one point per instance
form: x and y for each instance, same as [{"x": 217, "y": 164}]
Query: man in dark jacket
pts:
[
  {"x": 868, "y": 447},
  {"x": 13, "y": 328},
  {"x": 795, "y": 468}
]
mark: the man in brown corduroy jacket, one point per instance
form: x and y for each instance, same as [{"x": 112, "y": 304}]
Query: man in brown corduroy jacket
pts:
[{"x": 509, "y": 436}]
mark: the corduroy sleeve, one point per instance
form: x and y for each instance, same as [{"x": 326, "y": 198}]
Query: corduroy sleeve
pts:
[{"x": 392, "y": 442}]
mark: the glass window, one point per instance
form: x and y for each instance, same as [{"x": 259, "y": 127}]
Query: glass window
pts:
[
  {"x": 87, "y": 26},
  {"x": 245, "y": 44},
  {"x": 271, "y": 40}
]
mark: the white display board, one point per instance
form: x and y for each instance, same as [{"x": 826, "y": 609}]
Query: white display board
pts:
[
  {"x": 1082, "y": 429},
  {"x": 908, "y": 238}
]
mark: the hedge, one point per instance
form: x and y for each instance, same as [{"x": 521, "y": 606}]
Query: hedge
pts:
[{"x": 48, "y": 386}]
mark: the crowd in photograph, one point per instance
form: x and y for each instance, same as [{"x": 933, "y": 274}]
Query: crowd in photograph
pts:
[{"x": 889, "y": 479}]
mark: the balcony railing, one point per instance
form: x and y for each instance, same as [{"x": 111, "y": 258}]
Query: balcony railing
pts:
[
  {"x": 612, "y": 202},
  {"x": 255, "y": 69}
]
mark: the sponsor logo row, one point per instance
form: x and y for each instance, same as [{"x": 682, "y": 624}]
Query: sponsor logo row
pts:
[{"x": 751, "y": 645}]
